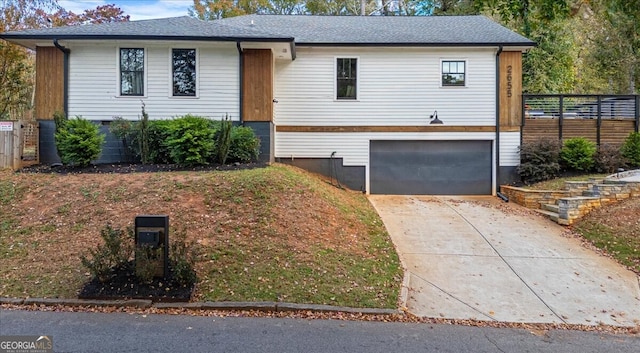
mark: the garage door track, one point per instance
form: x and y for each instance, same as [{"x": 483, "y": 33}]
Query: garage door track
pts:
[{"x": 479, "y": 258}]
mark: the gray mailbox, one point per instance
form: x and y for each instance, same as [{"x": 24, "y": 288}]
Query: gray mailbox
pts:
[{"x": 153, "y": 232}]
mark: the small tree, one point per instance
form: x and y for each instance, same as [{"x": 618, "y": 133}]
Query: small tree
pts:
[
  {"x": 79, "y": 142},
  {"x": 631, "y": 149},
  {"x": 144, "y": 136},
  {"x": 224, "y": 139},
  {"x": 578, "y": 154},
  {"x": 190, "y": 140}
]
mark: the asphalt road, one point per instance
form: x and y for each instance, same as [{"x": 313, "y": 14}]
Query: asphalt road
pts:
[{"x": 121, "y": 332}]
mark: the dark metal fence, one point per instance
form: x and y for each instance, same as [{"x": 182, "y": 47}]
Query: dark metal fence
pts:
[{"x": 601, "y": 118}]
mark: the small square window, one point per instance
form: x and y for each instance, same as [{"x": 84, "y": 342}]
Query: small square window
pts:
[
  {"x": 346, "y": 78},
  {"x": 453, "y": 73}
]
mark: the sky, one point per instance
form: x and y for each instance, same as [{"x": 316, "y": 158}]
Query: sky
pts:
[{"x": 137, "y": 9}]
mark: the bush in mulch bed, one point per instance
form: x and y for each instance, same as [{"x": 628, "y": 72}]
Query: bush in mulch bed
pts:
[
  {"x": 116, "y": 276},
  {"x": 123, "y": 283}
]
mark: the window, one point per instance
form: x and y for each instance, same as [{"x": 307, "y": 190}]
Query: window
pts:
[
  {"x": 183, "y": 62},
  {"x": 131, "y": 72},
  {"x": 346, "y": 78},
  {"x": 453, "y": 73}
]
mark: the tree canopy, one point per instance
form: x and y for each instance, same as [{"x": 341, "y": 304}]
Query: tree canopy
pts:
[{"x": 17, "y": 68}]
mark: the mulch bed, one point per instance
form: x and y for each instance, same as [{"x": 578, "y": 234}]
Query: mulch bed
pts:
[
  {"x": 123, "y": 284},
  {"x": 126, "y": 168}
]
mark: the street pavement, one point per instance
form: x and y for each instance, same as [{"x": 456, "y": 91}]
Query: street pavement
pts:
[
  {"x": 84, "y": 332},
  {"x": 480, "y": 258}
]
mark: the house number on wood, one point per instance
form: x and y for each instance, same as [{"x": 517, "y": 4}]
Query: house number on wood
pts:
[{"x": 509, "y": 79}]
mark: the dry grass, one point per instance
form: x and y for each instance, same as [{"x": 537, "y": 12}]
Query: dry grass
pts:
[{"x": 274, "y": 233}]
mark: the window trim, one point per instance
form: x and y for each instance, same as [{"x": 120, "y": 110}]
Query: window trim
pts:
[
  {"x": 197, "y": 93},
  {"x": 119, "y": 73},
  {"x": 335, "y": 78},
  {"x": 466, "y": 73}
]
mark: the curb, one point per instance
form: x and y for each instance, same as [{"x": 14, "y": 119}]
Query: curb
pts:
[{"x": 223, "y": 306}]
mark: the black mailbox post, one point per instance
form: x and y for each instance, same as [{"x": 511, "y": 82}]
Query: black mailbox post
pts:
[{"x": 153, "y": 231}]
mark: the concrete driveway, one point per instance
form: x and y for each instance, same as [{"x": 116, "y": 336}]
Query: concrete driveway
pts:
[{"x": 480, "y": 258}]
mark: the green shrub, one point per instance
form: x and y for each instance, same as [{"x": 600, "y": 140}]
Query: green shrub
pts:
[
  {"x": 539, "y": 160},
  {"x": 60, "y": 120},
  {"x": 190, "y": 140},
  {"x": 182, "y": 257},
  {"x": 631, "y": 149},
  {"x": 118, "y": 249},
  {"x": 608, "y": 158},
  {"x": 159, "y": 133},
  {"x": 223, "y": 139},
  {"x": 143, "y": 128},
  {"x": 578, "y": 154},
  {"x": 113, "y": 253},
  {"x": 245, "y": 146},
  {"x": 79, "y": 142}
]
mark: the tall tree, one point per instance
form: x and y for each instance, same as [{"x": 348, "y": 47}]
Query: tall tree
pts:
[
  {"x": 101, "y": 14},
  {"x": 617, "y": 44},
  {"x": 17, "y": 67},
  {"x": 16, "y": 63}
]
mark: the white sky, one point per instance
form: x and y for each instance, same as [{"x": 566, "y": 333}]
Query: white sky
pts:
[{"x": 137, "y": 9}]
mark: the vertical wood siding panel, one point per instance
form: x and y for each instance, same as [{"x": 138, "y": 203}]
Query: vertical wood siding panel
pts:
[
  {"x": 257, "y": 85},
  {"x": 510, "y": 88},
  {"x": 49, "y": 93}
]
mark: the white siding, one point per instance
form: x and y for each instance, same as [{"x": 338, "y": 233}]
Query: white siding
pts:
[
  {"x": 93, "y": 83},
  {"x": 396, "y": 86},
  {"x": 353, "y": 147},
  {"x": 509, "y": 153}
]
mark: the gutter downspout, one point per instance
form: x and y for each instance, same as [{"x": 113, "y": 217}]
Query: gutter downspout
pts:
[
  {"x": 241, "y": 85},
  {"x": 500, "y": 195},
  {"x": 65, "y": 95}
]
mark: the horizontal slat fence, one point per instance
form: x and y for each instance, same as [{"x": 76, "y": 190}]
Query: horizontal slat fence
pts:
[{"x": 602, "y": 119}]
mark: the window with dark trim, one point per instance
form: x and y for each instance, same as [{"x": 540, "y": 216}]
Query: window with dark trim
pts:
[
  {"x": 131, "y": 72},
  {"x": 453, "y": 73},
  {"x": 183, "y": 63},
  {"x": 346, "y": 78}
]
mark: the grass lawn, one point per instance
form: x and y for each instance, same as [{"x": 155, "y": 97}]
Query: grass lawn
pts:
[
  {"x": 616, "y": 230},
  {"x": 264, "y": 234}
]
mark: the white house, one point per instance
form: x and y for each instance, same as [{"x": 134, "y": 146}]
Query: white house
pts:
[{"x": 399, "y": 105}]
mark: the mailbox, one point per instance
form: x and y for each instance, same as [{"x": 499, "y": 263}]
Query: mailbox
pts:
[{"x": 152, "y": 233}]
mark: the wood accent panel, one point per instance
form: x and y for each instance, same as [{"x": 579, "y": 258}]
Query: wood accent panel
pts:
[
  {"x": 510, "y": 88},
  {"x": 426, "y": 128},
  {"x": 49, "y": 82},
  {"x": 257, "y": 85},
  {"x": 611, "y": 131}
]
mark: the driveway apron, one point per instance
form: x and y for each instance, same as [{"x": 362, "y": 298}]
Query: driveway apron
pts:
[{"x": 479, "y": 258}]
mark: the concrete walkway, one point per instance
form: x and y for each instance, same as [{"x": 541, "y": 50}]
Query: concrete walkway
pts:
[{"x": 480, "y": 258}]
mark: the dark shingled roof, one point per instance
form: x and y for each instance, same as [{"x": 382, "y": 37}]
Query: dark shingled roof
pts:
[
  {"x": 179, "y": 28},
  {"x": 315, "y": 30},
  {"x": 398, "y": 30}
]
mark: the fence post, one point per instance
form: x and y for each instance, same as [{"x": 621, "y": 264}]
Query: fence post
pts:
[
  {"x": 637, "y": 112},
  {"x": 599, "y": 121},
  {"x": 17, "y": 146},
  {"x": 560, "y": 118}
]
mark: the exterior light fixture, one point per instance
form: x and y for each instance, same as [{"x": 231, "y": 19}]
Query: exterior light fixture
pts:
[{"x": 434, "y": 118}]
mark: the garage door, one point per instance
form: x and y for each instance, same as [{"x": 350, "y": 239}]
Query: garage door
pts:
[{"x": 430, "y": 167}]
